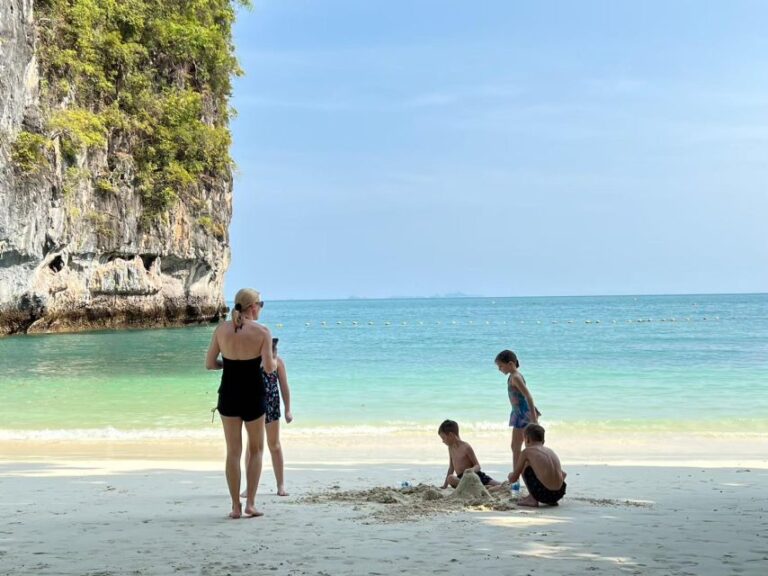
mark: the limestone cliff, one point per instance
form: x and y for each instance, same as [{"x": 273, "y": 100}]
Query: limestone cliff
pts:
[{"x": 107, "y": 219}]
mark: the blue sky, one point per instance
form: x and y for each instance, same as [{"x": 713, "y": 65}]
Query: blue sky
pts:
[{"x": 500, "y": 148}]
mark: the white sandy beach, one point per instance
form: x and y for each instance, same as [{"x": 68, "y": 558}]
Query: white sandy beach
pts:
[{"x": 84, "y": 512}]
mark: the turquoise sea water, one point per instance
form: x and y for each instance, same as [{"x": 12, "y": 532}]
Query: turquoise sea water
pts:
[{"x": 658, "y": 362}]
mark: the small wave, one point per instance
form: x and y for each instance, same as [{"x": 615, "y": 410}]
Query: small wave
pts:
[
  {"x": 109, "y": 433},
  {"x": 745, "y": 428}
]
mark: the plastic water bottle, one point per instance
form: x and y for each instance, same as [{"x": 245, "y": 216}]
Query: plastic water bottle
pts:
[{"x": 514, "y": 489}]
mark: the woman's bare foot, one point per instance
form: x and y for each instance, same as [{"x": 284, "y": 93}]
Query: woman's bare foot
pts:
[
  {"x": 281, "y": 491},
  {"x": 237, "y": 511},
  {"x": 528, "y": 501},
  {"x": 251, "y": 512}
]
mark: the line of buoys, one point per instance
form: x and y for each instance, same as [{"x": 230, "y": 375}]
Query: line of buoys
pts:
[{"x": 325, "y": 323}]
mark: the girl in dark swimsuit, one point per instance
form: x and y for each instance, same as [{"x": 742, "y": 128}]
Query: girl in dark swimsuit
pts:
[{"x": 276, "y": 384}]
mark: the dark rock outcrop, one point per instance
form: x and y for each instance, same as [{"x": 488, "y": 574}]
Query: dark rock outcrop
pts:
[{"x": 75, "y": 257}]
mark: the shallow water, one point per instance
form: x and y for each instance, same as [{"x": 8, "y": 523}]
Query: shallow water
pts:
[{"x": 647, "y": 362}]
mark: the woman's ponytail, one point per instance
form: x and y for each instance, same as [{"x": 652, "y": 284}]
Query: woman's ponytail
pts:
[
  {"x": 237, "y": 316},
  {"x": 244, "y": 299}
]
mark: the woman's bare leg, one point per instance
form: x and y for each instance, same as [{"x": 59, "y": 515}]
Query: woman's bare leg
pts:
[
  {"x": 276, "y": 451},
  {"x": 233, "y": 436},
  {"x": 255, "y": 430}
]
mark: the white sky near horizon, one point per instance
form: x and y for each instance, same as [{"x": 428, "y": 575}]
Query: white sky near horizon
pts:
[{"x": 500, "y": 148}]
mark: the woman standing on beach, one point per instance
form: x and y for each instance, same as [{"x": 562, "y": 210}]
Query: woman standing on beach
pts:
[
  {"x": 245, "y": 347},
  {"x": 524, "y": 411}
]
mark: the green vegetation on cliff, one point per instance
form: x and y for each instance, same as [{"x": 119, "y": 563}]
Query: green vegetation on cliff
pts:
[
  {"x": 145, "y": 80},
  {"x": 29, "y": 151}
]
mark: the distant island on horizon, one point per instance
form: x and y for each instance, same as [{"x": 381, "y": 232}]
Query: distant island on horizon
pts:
[
  {"x": 406, "y": 297},
  {"x": 457, "y": 295}
]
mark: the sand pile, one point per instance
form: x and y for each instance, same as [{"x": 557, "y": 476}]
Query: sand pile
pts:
[
  {"x": 409, "y": 504},
  {"x": 384, "y": 496},
  {"x": 432, "y": 493},
  {"x": 471, "y": 490}
]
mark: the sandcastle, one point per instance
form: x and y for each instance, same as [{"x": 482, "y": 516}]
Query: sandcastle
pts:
[{"x": 471, "y": 490}]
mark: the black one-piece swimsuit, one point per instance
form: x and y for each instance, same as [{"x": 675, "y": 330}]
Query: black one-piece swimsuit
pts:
[{"x": 242, "y": 392}]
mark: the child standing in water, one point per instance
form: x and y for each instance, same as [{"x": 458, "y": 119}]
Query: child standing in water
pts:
[{"x": 524, "y": 411}]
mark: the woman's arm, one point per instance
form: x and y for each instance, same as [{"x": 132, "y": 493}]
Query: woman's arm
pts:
[
  {"x": 212, "y": 361},
  {"x": 285, "y": 391}
]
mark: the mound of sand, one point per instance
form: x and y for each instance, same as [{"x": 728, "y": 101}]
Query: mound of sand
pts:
[
  {"x": 471, "y": 490},
  {"x": 412, "y": 503},
  {"x": 384, "y": 496},
  {"x": 431, "y": 494}
]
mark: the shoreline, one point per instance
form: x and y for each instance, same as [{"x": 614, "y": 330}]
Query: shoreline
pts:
[{"x": 730, "y": 450}]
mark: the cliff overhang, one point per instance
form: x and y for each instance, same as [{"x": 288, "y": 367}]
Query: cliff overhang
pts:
[{"x": 115, "y": 174}]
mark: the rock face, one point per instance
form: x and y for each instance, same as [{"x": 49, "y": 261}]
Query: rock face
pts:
[{"x": 75, "y": 257}]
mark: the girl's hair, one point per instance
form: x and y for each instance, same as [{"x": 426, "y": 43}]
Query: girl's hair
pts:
[
  {"x": 274, "y": 343},
  {"x": 507, "y": 356},
  {"x": 244, "y": 299}
]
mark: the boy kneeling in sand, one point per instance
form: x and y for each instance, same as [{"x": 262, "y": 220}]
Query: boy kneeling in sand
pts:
[
  {"x": 461, "y": 457},
  {"x": 541, "y": 471}
]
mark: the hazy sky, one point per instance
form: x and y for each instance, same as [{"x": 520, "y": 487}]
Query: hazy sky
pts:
[{"x": 500, "y": 148}]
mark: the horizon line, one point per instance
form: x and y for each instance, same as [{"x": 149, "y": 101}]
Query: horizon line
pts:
[{"x": 477, "y": 297}]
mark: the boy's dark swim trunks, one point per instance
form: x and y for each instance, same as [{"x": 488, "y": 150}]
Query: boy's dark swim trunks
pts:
[{"x": 540, "y": 492}]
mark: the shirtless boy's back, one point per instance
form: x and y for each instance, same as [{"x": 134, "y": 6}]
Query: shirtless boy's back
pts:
[
  {"x": 540, "y": 468},
  {"x": 546, "y": 466}
]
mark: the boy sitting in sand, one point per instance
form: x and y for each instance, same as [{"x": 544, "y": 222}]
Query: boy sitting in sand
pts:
[
  {"x": 461, "y": 457},
  {"x": 541, "y": 471}
]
